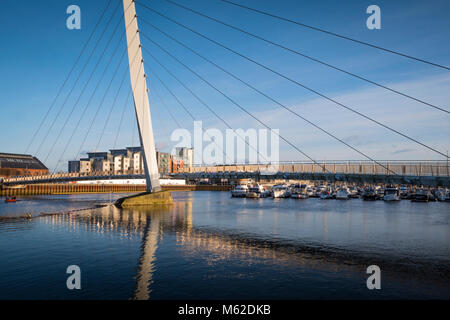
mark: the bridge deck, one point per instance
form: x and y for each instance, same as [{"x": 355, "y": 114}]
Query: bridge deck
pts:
[{"x": 430, "y": 173}]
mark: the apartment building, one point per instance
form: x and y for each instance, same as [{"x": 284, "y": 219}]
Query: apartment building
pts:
[{"x": 128, "y": 160}]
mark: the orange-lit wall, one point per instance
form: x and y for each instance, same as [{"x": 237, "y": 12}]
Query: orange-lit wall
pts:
[{"x": 9, "y": 172}]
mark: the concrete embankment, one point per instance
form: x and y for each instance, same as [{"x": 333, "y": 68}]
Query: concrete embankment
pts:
[{"x": 145, "y": 199}]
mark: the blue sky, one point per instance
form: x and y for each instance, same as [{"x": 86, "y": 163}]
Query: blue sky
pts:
[{"x": 38, "y": 51}]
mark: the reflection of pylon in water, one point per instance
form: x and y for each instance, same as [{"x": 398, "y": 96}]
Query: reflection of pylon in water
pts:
[{"x": 147, "y": 260}]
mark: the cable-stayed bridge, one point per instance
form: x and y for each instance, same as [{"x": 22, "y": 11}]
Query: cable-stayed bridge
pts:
[{"x": 125, "y": 13}]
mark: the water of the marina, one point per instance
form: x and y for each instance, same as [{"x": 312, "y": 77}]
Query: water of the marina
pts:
[{"x": 210, "y": 246}]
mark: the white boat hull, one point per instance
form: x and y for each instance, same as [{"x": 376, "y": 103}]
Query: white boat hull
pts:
[
  {"x": 391, "y": 197},
  {"x": 280, "y": 193},
  {"x": 342, "y": 195}
]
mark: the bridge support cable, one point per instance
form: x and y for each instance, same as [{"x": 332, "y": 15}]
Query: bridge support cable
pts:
[
  {"x": 308, "y": 57},
  {"x": 93, "y": 93},
  {"x": 166, "y": 107},
  {"x": 101, "y": 104},
  {"x": 33, "y": 137},
  {"x": 133, "y": 85},
  {"x": 121, "y": 118},
  {"x": 111, "y": 170},
  {"x": 103, "y": 99},
  {"x": 205, "y": 104},
  {"x": 296, "y": 82},
  {"x": 158, "y": 111},
  {"x": 116, "y": 96},
  {"x": 76, "y": 80},
  {"x": 183, "y": 106},
  {"x": 133, "y": 132},
  {"x": 124, "y": 106},
  {"x": 335, "y": 34},
  {"x": 79, "y": 122},
  {"x": 246, "y": 111},
  {"x": 272, "y": 99}
]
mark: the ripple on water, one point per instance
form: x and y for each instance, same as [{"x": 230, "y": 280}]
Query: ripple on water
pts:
[{"x": 208, "y": 245}]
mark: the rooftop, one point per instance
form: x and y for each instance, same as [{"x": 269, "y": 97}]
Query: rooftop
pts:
[
  {"x": 103, "y": 155},
  {"x": 20, "y": 161}
]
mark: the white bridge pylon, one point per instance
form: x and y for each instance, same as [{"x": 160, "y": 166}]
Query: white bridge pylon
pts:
[{"x": 140, "y": 91}]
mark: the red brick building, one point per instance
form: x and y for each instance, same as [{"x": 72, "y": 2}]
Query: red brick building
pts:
[
  {"x": 176, "y": 164},
  {"x": 20, "y": 165}
]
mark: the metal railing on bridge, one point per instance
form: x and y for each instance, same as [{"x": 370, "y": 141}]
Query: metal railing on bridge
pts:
[
  {"x": 74, "y": 175},
  {"x": 424, "y": 168},
  {"x": 402, "y": 168}
]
